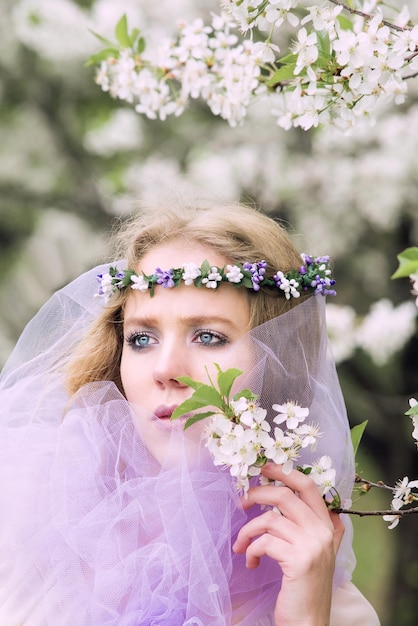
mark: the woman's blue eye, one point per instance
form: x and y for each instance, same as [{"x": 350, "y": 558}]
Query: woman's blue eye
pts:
[
  {"x": 139, "y": 340},
  {"x": 207, "y": 338},
  {"x": 142, "y": 341}
]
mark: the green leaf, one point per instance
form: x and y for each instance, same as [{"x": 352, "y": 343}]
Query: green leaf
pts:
[
  {"x": 140, "y": 45},
  {"x": 245, "y": 393},
  {"x": 197, "y": 418},
  {"x": 324, "y": 44},
  {"x": 289, "y": 59},
  {"x": 107, "y": 42},
  {"x": 286, "y": 72},
  {"x": 186, "y": 407},
  {"x": 357, "y": 434},
  {"x": 133, "y": 36},
  {"x": 413, "y": 410},
  {"x": 304, "y": 470},
  {"x": 408, "y": 263},
  {"x": 190, "y": 382},
  {"x": 121, "y": 32},
  {"x": 345, "y": 22},
  {"x": 226, "y": 380},
  {"x": 205, "y": 267},
  {"x": 102, "y": 56},
  {"x": 203, "y": 396}
]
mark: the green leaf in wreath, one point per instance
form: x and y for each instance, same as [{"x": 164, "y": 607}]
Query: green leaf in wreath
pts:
[{"x": 205, "y": 267}]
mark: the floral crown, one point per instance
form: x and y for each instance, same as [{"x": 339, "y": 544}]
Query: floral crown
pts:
[{"x": 313, "y": 276}]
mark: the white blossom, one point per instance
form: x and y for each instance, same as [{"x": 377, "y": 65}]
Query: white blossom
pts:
[
  {"x": 216, "y": 64},
  {"x": 386, "y": 329},
  {"x": 291, "y": 413},
  {"x": 341, "y": 330},
  {"x": 323, "y": 474},
  {"x": 413, "y": 402},
  {"x": 414, "y": 280},
  {"x": 393, "y": 519}
]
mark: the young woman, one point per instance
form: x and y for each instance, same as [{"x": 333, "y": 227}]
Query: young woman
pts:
[{"x": 114, "y": 515}]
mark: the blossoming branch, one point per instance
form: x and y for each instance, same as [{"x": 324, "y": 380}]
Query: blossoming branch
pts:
[
  {"x": 332, "y": 63},
  {"x": 240, "y": 437}
]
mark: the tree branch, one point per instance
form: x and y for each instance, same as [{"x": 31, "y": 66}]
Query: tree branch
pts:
[
  {"x": 367, "y": 16},
  {"x": 402, "y": 512}
]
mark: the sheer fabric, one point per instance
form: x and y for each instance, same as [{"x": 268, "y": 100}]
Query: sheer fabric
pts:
[{"x": 103, "y": 525}]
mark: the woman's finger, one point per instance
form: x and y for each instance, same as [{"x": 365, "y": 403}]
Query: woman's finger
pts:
[
  {"x": 270, "y": 522},
  {"x": 281, "y": 495}
]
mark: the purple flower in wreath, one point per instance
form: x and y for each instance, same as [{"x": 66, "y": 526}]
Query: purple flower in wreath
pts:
[
  {"x": 165, "y": 278},
  {"x": 322, "y": 286},
  {"x": 257, "y": 271}
]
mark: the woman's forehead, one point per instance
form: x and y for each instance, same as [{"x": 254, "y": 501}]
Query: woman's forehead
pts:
[
  {"x": 176, "y": 253},
  {"x": 190, "y": 306}
]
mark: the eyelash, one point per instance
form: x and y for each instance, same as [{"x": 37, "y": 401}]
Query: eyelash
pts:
[
  {"x": 133, "y": 337},
  {"x": 222, "y": 340}
]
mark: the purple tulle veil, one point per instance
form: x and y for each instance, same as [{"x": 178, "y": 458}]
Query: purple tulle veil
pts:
[{"x": 100, "y": 530}]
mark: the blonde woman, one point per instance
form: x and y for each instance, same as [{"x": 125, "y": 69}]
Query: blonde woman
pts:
[{"x": 115, "y": 515}]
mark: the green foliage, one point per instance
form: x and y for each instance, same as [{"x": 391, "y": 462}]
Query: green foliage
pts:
[
  {"x": 124, "y": 38},
  {"x": 344, "y": 22},
  {"x": 357, "y": 434},
  {"x": 408, "y": 263},
  {"x": 413, "y": 410},
  {"x": 211, "y": 396}
]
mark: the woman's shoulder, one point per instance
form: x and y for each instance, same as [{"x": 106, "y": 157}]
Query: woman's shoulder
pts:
[{"x": 350, "y": 608}]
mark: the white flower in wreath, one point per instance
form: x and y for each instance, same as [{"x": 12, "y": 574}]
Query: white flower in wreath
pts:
[
  {"x": 139, "y": 283},
  {"x": 190, "y": 273},
  {"x": 234, "y": 274},
  {"x": 211, "y": 282}
]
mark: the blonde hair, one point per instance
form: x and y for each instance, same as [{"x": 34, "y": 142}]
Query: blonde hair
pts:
[{"x": 235, "y": 230}]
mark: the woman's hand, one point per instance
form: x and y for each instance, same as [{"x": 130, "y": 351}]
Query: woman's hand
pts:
[{"x": 304, "y": 540}]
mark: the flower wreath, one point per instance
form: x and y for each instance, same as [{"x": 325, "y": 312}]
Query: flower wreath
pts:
[{"x": 313, "y": 276}]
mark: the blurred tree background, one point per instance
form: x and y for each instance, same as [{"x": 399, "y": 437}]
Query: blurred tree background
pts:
[{"x": 72, "y": 160}]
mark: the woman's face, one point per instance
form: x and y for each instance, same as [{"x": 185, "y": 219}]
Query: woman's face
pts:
[{"x": 179, "y": 332}]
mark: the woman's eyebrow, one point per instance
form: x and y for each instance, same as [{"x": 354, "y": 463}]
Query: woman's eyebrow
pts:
[{"x": 191, "y": 320}]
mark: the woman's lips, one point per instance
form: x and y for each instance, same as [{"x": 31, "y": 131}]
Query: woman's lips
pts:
[{"x": 165, "y": 412}]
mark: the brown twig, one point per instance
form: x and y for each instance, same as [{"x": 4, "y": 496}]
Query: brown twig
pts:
[
  {"x": 367, "y": 16},
  {"x": 402, "y": 512},
  {"x": 371, "y": 484}
]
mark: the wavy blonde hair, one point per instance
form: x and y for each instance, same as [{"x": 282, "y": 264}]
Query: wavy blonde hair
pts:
[{"x": 237, "y": 231}]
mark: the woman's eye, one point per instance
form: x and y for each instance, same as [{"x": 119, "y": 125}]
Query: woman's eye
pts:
[
  {"x": 209, "y": 338},
  {"x": 140, "y": 340}
]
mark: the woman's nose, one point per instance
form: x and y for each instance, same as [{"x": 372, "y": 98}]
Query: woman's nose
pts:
[{"x": 170, "y": 364}]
